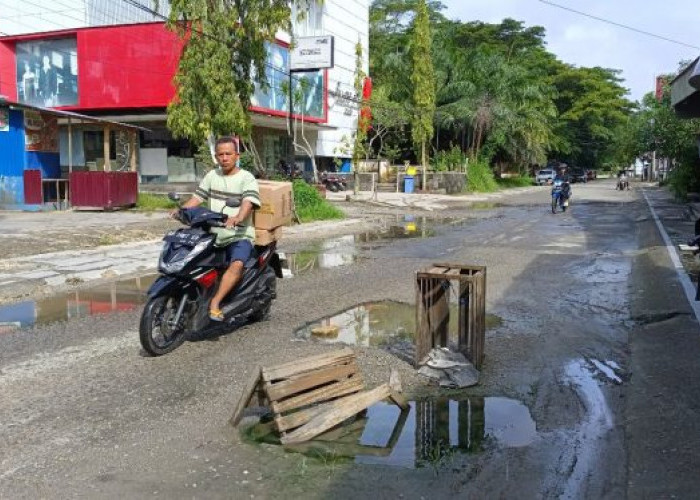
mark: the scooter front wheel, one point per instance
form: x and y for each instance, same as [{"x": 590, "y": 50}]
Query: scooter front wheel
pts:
[
  {"x": 554, "y": 205},
  {"x": 157, "y": 333}
]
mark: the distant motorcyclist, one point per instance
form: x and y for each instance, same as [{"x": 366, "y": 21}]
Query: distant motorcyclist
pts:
[
  {"x": 622, "y": 180},
  {"x": 561, "y": 183}
]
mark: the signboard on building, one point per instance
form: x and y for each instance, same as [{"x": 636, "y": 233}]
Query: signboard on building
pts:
[
  {"x": 47, "y": 72},
  {"x": 312, "y": 53},
  {"x": 4, "y": 119},
  {"x": 274, "y": 95},
  {"x": 40, "y": 132}
]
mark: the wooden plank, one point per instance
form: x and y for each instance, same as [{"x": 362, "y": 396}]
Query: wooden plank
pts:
[
  {"x": 344, "y": 409},
  {"x": 398, "y": 399},
  {"x": 423, "y": 343},
  {"x": 306, "y": 364},
  {"x": 440, "y": 317},
  {"x": 309, "y": 380},
  {"x": 345, "y": 433},
  {"x": 342, "y": 388},
  {"x": 248, "y": 391},
  {"x": 461, "y": 266},
  {"x": 294, "y": 420}
]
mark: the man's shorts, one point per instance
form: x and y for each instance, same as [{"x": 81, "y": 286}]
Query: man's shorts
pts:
[{"x": 239, "y": 250}]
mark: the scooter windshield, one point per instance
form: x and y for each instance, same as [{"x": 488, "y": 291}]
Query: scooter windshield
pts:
[{"x": 198, "y": 216}]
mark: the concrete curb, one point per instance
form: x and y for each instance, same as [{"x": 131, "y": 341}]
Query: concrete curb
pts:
[{"x": 688, "y": 287}]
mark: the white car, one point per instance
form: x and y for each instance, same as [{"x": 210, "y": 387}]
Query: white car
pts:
[{"x": 545, "y": 176}]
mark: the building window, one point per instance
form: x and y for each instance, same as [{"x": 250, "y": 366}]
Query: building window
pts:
[
  {"x": 47, "y": 72},
  {"x": 308, "y": 23}
]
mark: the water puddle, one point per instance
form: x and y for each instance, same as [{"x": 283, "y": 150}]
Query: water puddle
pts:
[
  {"x": 123, "y": 295},
  {"x": 597, "y": 422},
  {"x": 345, "y": 250},
  {"x": 485, "y": 205},
  {"x": 608, "y": 369},
  {"x": 384, "y": 324},
  {"x": 429, "y": 434}
]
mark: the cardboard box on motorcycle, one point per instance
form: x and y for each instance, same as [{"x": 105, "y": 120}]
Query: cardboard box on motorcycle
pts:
[
  {"x": 275, "y": 205},
  {"x": 266, "y": 236}
]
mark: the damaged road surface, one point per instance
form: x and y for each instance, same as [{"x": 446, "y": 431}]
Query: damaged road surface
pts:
[{"x": 589, "y": 386}]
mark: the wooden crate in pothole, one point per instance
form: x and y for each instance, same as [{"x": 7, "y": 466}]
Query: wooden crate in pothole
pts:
[
  {"x": 433, "y": 287},
  {"x": 312, "y": 395}
]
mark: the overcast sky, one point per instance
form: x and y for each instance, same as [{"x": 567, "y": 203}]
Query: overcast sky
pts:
[{"x": 587, "y": 42}]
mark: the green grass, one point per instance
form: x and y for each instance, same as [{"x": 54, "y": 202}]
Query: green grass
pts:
[
  {"x": 310, "y": 206},
  {"x": 480, "y": 178},
  {"x": 149, "y": 202},
  {"x": 514, "y": 182}
]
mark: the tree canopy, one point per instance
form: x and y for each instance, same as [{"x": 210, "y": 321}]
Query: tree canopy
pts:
[
  {"x": 501, "y": 96},
  {"x": 224, "y": 50}
]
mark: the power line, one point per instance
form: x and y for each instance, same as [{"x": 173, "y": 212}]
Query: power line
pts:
[
  {"x": 37, "y": 14},
  {"x": 619, "y": 25}
]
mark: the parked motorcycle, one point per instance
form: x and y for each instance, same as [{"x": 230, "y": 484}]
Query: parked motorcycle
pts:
[
  {"x": 333, "y": 182},
  {"x": 190, "y": 268},
  {"x": 561, "y": 192}
]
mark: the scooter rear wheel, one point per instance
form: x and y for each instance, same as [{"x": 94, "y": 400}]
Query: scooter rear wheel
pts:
[{"x": 156, "y": 332}]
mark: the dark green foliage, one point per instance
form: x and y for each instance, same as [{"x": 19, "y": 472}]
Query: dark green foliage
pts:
[
  {"x": 685, "y": 178},
  {"x": 655, "y": 127},
  {"x": 517, "y": 181},
  {"x": 501, "y": 97},
  {"x": 310, "y": 206},
  {"x": 422, "y": 80},
  {"x": 224, "y": 50}
]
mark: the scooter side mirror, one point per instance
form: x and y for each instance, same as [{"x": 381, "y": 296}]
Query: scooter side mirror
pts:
[
  {"x": 233, "y": 202},
  {"x": 174, "y": 196}
]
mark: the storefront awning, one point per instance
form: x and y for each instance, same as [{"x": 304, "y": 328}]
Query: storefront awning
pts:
[
  {"x": 685, "y": 91},
  {"x": 69, "y": 115}
]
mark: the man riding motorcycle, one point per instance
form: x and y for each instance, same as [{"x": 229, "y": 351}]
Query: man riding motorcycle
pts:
[
  {"x": 562, "y": 186},
  {"x": 227, "y": 181},
  {"x": 622, "y": 181}
]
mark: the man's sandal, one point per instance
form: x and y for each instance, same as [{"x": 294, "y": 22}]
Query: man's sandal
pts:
[{"x": 216, "y": 314}]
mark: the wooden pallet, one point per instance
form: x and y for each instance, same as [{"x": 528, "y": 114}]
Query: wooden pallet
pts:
[{"x": 310, "y": 396}]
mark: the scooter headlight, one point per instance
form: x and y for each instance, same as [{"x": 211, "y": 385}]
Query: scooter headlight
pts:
[{"x": 179, "y": 265}]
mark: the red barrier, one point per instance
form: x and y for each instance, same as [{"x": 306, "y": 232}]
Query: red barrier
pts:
[{"x": 103, "y": 190}]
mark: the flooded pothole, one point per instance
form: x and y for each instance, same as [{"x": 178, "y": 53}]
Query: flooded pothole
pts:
[
  {"x": 124, "y": 295},
  {"x": 385, "y": 324},
  {"x": 485, "y": 205},
  {"x": 429, "y": 434},
  {"x": 345, "y": 250}
]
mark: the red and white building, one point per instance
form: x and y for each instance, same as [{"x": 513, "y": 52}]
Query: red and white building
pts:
[{"x": 115, "y": 61}]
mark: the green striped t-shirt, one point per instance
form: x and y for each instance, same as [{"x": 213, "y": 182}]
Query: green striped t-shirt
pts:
[{"x": 217, "y": 187}]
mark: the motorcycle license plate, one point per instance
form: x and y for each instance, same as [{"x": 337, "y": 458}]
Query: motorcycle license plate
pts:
[{"x": 183, "y": 238}]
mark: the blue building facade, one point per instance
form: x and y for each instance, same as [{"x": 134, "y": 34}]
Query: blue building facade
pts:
[{"x": 23, "y": 145}]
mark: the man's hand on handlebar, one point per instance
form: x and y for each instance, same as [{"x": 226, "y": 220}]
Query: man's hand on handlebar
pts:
[{"x": 232, "y": 221}]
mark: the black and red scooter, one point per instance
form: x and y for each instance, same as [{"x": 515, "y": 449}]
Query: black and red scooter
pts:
[{"x": 190, "y": 268}]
